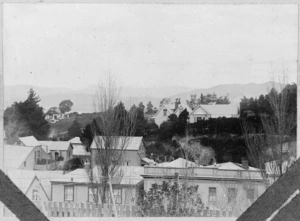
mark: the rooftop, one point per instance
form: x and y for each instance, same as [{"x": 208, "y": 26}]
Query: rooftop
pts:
[
  {"x": 29, "y": 141},
  {"x": 129, "y": 143}
]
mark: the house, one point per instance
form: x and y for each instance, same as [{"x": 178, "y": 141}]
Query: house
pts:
[
  {"x": 288, "y": 153},
  {"x": 35, "y": 185},
  {"x": 30, "y": 141},
  {"x": 166, "y": 110},
  {"x": 58, "y": 149},
  {"x": 213, "y": 111},
  {"x": 228, "y": 185},
  {"x": 76, "y": 186},
  {"x": 25, "y": 157},
  {"x": 280, "y": 201},
  {"x": 79, "y": 149},
  {"x": 134, "y": 149}
]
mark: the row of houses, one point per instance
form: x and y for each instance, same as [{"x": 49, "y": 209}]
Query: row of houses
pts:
[
  {"x": 201, "y": 112},
  {"x": 221, "y": 186}
]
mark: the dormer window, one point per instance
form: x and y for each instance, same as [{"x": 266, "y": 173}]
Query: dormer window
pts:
[{"x": 165, "y": 112}]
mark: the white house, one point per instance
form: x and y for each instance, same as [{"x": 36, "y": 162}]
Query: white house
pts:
[
  {"x": 134, "y": 149},
  {"x": 57, "y": 149},
  {"x": 221, "y": 186},
  {"x": 214, "y": 111},
  {"x": 24, "y": 157}
]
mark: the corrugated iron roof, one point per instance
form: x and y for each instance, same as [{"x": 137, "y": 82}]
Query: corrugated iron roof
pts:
[
  {"x": 55, "y": 145},
  {"x": 15, "y": 155},
  {"x": 29, "y": 141},
  {"x": 131, "y": 143}
]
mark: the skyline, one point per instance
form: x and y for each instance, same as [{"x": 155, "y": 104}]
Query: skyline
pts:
[{"x": 196, "y": 46}]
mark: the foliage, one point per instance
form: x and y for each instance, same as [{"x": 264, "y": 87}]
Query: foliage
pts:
[
  {"x": 74, "y": 130},
  {"x": 170, "y": 199},
  {"x": 65, "y": 106},
  {"x": 25, "y": 119},
  {"x": 149, "y": 109},
  {"x": 278, "y": 128}
]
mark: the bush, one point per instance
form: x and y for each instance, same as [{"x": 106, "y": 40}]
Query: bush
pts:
[{"x": 170, "y": 200}]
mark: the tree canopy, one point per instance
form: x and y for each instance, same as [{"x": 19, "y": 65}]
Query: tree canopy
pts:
[
  {"x": 25, "y": 119},
  {"x": 65, "y": 106}
]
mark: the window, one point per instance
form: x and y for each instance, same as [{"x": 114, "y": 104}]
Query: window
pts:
[
  {"x": 232, "y": 193},
  {"x": 118, "y": 195},
  {"x": 35, "y": 195},
  {"x": 199, "y": 118},
  {"x": 93, "y": 194},
  {"x": 37, "y": 155},
  {"x": 212, "y": 195},
  {"x": 165, "y": 112},
  {"x": 250, "y": 194},
  {"x": 69, "y": 193}
]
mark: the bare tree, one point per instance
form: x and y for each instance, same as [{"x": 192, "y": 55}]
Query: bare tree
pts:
[
  {"x": 112, "y": 130},
  {"x": 269, "y": 145}
]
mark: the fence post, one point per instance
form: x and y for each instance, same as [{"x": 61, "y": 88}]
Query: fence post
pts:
[
  {"x": 71, "y": 209},
  {"x": 60, "y": 212},
  {"x": 55, "y": 210},
  {"x": 82, "y": 210},
  {"x": 77, "y": 210},
  {"x": 94, "y": 210}
]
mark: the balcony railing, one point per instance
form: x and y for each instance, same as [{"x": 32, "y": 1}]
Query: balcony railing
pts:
[{"x": 200, "y": 172}]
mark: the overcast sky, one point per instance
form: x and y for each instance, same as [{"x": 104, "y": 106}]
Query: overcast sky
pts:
[{"x": 73, "y": 45}]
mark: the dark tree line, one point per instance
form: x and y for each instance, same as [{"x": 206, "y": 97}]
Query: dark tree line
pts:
[{"x": 25, "y": 118}]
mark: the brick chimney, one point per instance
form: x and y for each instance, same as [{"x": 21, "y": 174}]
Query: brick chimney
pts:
[{"x": 245, "y": 164}]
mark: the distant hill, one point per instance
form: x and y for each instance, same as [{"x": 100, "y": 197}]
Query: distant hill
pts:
[{"x": 83, "y": 98}]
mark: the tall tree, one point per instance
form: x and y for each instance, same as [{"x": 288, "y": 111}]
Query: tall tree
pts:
[
  {"x": 25, "y": 119},
  {"x": 149, "y": 108},
  {"x": 74, "y": 130},
  {"x": 65, "y": 106},
  {"x": 267, "y": 145},
  {"x": 116, "y": 126}
]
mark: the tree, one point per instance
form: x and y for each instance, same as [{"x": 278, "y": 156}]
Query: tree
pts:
[
  {"x": 74, "y": 130},
  {"x": 149, "y": 108},
  {"x": 25, "y": 119},
  {"x": 65, "y": 106},
  {"x": 171, "y": 199},
  {"x": 266, "y": 145},
  {"x": 142, "y": 106},
  {"x": 115, "y": 125}
]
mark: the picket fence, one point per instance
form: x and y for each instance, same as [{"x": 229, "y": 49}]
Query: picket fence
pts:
[{"x": 65, "y": 209}]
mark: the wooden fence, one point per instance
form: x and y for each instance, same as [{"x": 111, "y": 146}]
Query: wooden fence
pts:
[{"x": 65, "y": 209}]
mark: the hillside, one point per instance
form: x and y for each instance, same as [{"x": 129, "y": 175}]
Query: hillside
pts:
[{"x": 83, "y": 98}]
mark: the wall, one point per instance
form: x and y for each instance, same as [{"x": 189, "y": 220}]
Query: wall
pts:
[
  {"x": 222, "y": 191},
  {"x": 160, "y": 118}
]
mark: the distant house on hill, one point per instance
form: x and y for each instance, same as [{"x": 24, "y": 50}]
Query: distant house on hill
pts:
[
  {"x": 166, "y": 110},
  {"x": 134, "y": 151},
  {"x": 204, "y": 112},
  {"x": 280, "y": 201},
  {"x": 54, "y": 114}
]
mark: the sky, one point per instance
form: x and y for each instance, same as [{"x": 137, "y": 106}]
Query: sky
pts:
[{"x": 142, "y": 45}]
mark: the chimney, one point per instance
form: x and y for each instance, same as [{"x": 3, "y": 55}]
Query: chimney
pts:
[{"x": 245, "y": 164}]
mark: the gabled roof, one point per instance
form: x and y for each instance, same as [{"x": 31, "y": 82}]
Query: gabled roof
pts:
[
  {"x": 79, "y": 150},
  {"x": 16, "y": 155},
  {"x": 126, "y": 175},
  {"x": 131, "y": 143},
  {"x": 24, "y": 178},
  {"x": 231, "y": 166},
  {"x": 75, "y": 140},
  {"x": 218, "y": 109},
  {"x": 183, "y": 106},
  {"x": 169, "y": 107},
  {"x": 280, "y": 201},
  {"x": 29, "y": 141},
  {"x": 55, "y": 145}
]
